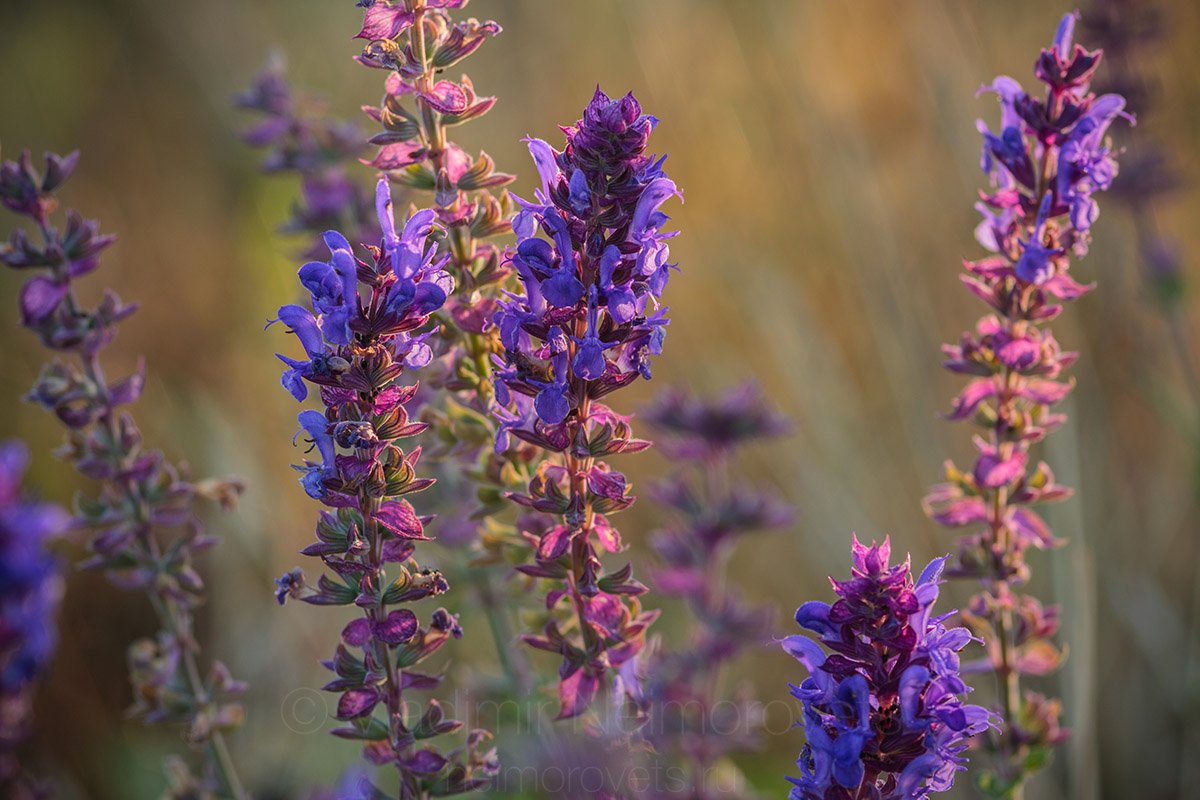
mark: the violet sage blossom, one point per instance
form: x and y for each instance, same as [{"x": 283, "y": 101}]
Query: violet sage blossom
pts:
[
  {"x": 884, "y": 716},
  {"x": 146, "y": 528},
  {"x": 592, "y": 261},
  {"x": 1046, "y": 165},
  {"x": 364, "y": 329}
]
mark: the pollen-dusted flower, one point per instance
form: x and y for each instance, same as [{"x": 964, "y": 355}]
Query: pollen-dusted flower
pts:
[{"x": 883, "y": 710}]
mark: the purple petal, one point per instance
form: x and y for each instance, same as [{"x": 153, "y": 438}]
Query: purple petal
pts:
[
  {"x": 397, "y": 628},
  {"x": 39, "y": 297}
]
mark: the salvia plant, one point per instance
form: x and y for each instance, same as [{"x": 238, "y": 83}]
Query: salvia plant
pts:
[
  {"x": 365, "y": 330},
  {"x": 693, "y": 724},
  {"x": 1045, "y": 165},
  {"x": 30, "y": 589},
  {"x": 884, "y": 716},
  {"x": 586, "y": 322},
  {"x": 147, "y": 529}
]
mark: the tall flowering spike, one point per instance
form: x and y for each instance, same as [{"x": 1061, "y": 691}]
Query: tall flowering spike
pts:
[
  {"x": 299, "y": 137},
  {"x": 145, "y": 521},
  {"x": 414, "y": 43},
  {"x": 363, "y": 329},
  {"x": 592, "y": 261},
  {"x": 695, "y": 726},
  {"x": 30, "y": 588},
  {"x": 884, "y": 716},
  {"x": 1047, "y": 164}
]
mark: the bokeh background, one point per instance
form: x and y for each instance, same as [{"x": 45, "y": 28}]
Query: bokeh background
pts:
[{"x": 829, "y": 157}]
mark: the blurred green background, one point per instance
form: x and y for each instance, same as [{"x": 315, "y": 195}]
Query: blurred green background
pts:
[{"x": 829, "y": 157}]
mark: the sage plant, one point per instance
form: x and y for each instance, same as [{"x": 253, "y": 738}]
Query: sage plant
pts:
[
  {"x": 358, "y": 349},
  {"x": 884, "y": 717},
  {"x": 147, "y": 529},
  {"x": 31, "y": 586},
  {"x": 1046, "y": 165},
  {"x": 585, "y": 324},
  {"x": 693, "y": 723}
]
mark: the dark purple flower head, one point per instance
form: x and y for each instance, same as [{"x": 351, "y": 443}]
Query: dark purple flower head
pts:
[
  {"x": 592, "y": 285},
  {"x": 407, "y": 284},
  {"x": 1049, "y": 159},
  {"x": 24, "y": 191},
  {"x": 884, "y": 705}
]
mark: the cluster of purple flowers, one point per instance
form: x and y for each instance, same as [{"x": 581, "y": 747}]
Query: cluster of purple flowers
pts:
[
  {"x": 358, "y": 348},
  {"x": 1046, "y": 165},
  {"x": 141, "y": 496},
  {"x": 30, "y": 588},
  {"x": 883, "y": 711},
  {"x": 691, "y": 723},
  {"x": 585, "y": 324}
]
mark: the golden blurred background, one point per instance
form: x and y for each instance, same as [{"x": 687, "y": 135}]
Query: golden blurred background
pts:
[{"x": 828, "y": 154}]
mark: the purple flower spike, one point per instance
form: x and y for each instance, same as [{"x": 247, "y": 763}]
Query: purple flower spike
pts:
[
  {"x": 885, "y": 705},
  {"x": 429, "y": 289},
  {"x": 709, "y": 515},
  {"x": 591, "y": 258},
  {"x": 367, "y": 539},
  {"x": 1034, "y": 221}
]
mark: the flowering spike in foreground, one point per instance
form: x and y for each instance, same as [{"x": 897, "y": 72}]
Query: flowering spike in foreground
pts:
[
  {"x": 1046, "y": 166},
  {"x": 365, "y": 327},
  {"x": 145, "y": 522},
  {"x": 883, "y": 711},
  {"x": 586, "y": 324}
]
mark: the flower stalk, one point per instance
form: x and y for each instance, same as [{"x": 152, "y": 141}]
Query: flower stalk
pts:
[
  {"x": 1048, "y": 161},
  {"x": 365, "y": 328},
  {"x": 585, "y": 324},
  {"x": 142, "y": 498},
  {"x": 694, "y": 724}
]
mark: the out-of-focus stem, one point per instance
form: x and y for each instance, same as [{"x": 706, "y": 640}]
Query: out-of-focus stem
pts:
[
  {"x": 511, "y": 662},
  {"x": 174, "y": 618}
]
